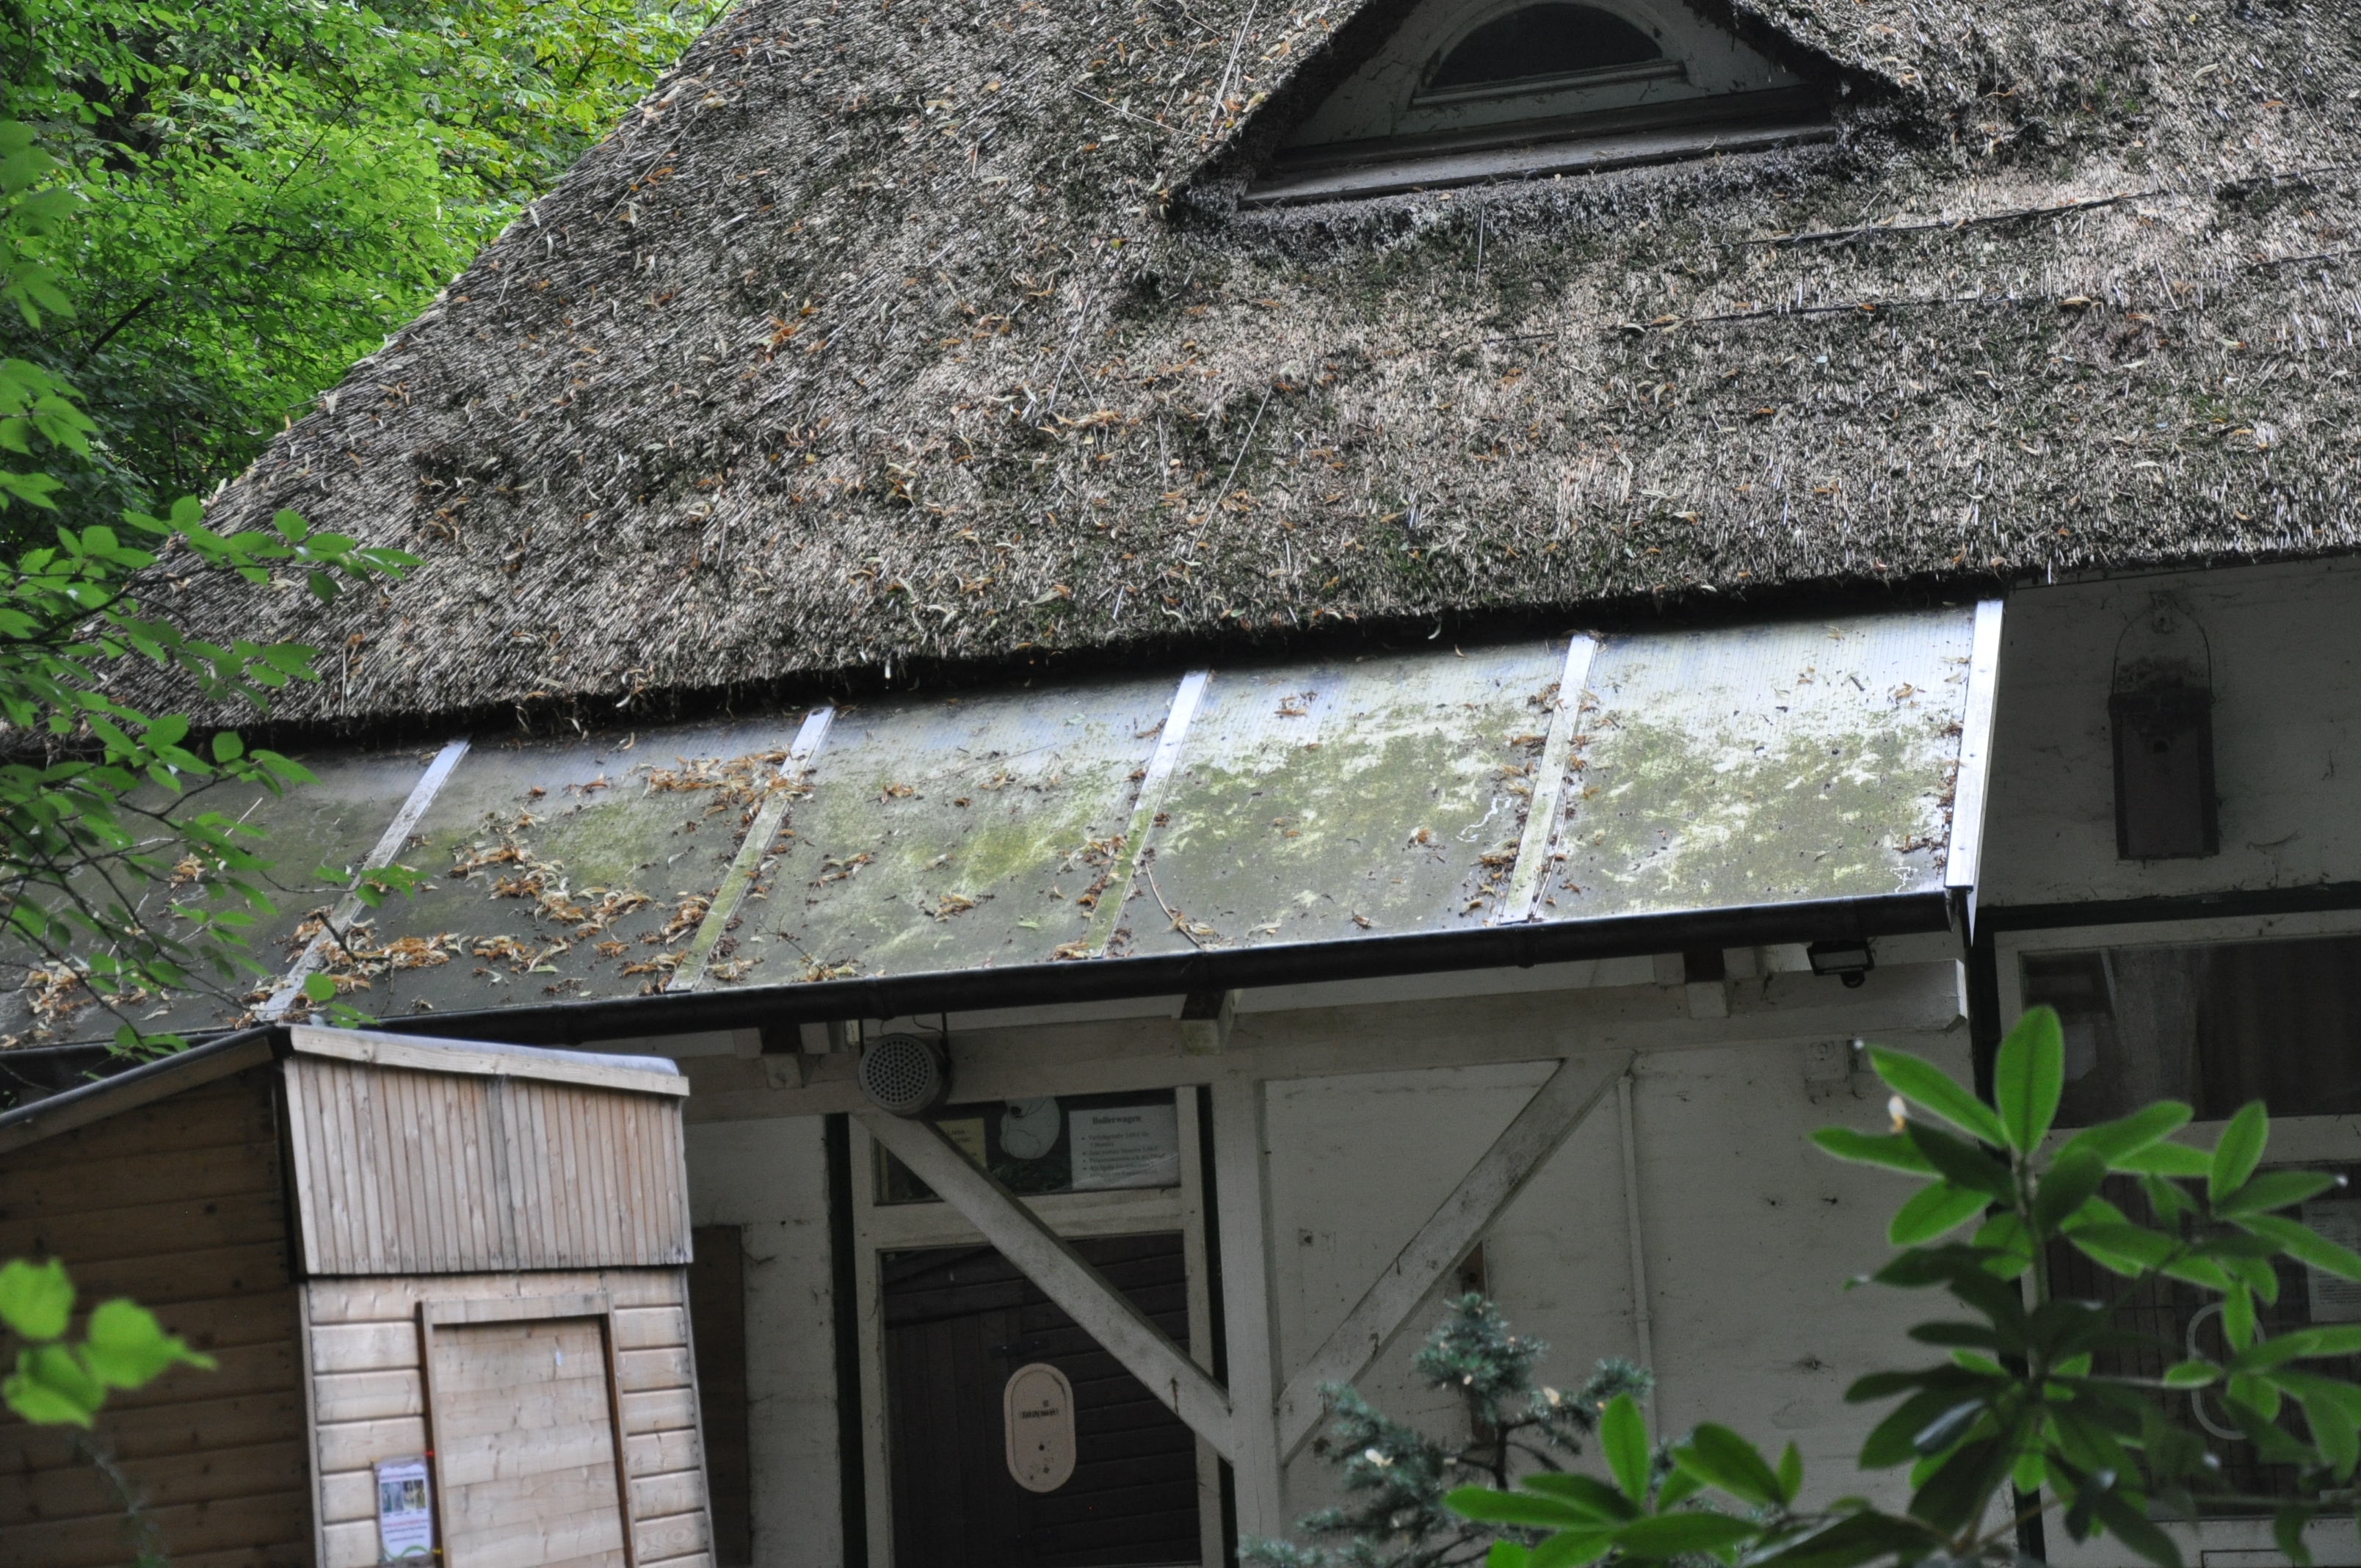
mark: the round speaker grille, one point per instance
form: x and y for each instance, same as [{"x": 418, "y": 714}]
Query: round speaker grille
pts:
[{"x": 905, "y": 1074}]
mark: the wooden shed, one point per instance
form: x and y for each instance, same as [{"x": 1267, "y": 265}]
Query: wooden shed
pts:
[{"x": 459, "y": 1265}]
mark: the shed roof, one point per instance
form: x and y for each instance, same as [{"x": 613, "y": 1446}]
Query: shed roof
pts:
[
  {"x": 934, "y": 335},
  {"x": 128, "y": 1089}
]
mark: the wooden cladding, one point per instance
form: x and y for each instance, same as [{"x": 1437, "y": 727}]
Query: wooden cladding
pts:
[
  {"x": 177, "y": 1204},
  {"x": 418, "y": 1172},
  {"x": 370, "y": 1388}
]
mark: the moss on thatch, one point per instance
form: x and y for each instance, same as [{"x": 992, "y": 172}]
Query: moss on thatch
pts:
[{"x": 932, "y": 333}]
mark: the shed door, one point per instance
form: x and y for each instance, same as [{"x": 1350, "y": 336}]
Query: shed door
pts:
[{"x": 526, "y": 1434}]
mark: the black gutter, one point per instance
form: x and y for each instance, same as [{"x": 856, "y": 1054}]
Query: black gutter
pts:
[
  {"x": 160, "y": 1067},
  {"x": 780, "y": 1007}
]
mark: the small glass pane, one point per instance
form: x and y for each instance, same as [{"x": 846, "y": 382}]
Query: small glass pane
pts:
[
  {"x": 1544, "y": 41},
  {"x": 1067, "y": 1143},
  {"x": 2216, "y": 1026}
]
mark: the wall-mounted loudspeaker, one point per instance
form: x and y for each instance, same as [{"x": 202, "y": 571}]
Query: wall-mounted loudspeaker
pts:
[{"x": 907, "y": 1075}]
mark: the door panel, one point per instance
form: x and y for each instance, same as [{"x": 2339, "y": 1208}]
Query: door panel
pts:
[
  {"x": 525, "y": 1437},
  {"x": 958, "y": 1322}
]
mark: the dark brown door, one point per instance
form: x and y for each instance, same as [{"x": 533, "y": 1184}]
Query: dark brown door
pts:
[{"x": 958, "y": 1320}]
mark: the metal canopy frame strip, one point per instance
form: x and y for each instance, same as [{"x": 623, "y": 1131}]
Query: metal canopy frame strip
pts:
[
  {"x": 1560, "y": 1105},
  {"x": 761, "y": 834},
  {"x": 1542, "y": 817},
  {"x": 348, "y": 908},
  {"x": 1973, "y": 783},
  {"x": 1170, "y": 739},
  {"x": 1050, "y": 1262},
  {"x": 1028, "y": 985}
]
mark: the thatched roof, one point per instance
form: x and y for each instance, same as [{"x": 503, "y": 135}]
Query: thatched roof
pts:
[{"x": 935, "y": 333}]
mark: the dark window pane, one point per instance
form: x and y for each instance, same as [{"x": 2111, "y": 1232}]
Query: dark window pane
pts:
[
  {"x": 1544, "y": 41},
  {"x": 2215, "y": 1025},
  {"x": 2173, "y": 1321}
]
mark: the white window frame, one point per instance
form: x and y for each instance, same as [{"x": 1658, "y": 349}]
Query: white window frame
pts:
[{"x": 2295, "y": 1140}]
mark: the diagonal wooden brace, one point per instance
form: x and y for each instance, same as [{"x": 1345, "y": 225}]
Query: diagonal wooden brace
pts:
[
  {"x": 1556, "y": 1108},
  {"x": 1045, "y": 1257}
]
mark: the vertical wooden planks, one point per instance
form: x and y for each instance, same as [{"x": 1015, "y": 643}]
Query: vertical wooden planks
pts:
[{"x": 413, "y": 1172}]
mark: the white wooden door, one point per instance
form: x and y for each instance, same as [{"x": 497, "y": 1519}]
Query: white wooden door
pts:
[{"x": 524, "y": 1430}]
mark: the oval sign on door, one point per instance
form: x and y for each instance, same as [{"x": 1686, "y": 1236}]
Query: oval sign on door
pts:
[{"x": 1037, "y": 1412}]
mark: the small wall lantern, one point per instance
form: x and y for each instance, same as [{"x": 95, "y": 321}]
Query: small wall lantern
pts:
[{"x": 2161, "y": 712}]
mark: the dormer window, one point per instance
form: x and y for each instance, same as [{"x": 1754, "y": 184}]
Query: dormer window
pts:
[{"x": 1465, "y": 94}]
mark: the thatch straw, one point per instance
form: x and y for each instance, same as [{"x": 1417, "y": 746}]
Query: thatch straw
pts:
[{"x": 931, "y": 332}]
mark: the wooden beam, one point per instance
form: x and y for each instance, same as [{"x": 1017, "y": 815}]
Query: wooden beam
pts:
[
  {"x": 1249, "y": 1316},
  {"x": 1556, "y": 1108},
  {"x": 1045, "y": 1257},
  {"x": 1129, "y": 1054}
]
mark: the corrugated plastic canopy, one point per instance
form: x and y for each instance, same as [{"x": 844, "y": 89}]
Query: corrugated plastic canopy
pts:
[{"x": 1434, "y": 809}]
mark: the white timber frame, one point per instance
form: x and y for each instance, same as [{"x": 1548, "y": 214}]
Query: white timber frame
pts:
[
  {"x": 1034, "y": 1237},
  {"x": 1548, "y": 1119},
  {"x": 1262, "y": 1418},
  {"x": 1591, "y": 1037}
]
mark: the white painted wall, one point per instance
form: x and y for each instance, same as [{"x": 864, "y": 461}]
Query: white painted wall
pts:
[
  {"x": 771, "y": 1177},
  {"x": 1750, "y": 1234},
  {"x": 2287, "y": 735}
]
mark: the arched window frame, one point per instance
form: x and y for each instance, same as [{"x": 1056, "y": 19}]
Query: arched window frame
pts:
[{"x": 1381, "y": 131}]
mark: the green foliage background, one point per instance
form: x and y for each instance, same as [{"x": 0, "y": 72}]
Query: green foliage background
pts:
[{"x": 267, "y": 187}]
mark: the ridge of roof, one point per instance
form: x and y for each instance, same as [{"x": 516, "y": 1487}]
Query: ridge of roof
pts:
[{"x": 878, "y": 338}]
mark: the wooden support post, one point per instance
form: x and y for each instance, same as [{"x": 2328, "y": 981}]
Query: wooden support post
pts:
[
  {"x": 1046, "y": 1258},
  {"x": 1556, "y": 1108},
  {"x": 1249, "y": 1321}
]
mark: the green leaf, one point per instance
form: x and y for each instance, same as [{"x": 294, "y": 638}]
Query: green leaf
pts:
[
  {"x": 125, "y": 1347},
  {"x": 2271, "y": 1190},
  {"x": 1853, "y": 1539},
  {"x": 1922, "y": 1083},
  {"x": 2131, "y": 1526},
  {"x": 2191, "y": 1375},
  {"x": 2111, "y": 1141},
  {"x": 318, "y": 988},
  {"x": 2029, "y": 1076},
  {"x": 1720, "y": 1457},
  {"x": 2304, "y": 1245},
  {"x": 36, "y": 1300},
  {"x": 1525, "y": 1509},
  {"x": 51, "y": 1388},
  {"x": 1623, "y": 1441},
  {"x": 1569, "y": 1548},
  {"x": 1586, "y": 1492},
  {"x": 1963, "y": 1163},
  {"x": 2072, "y": 1181},
  {"x": 1506, "y": 1554},
  {"x": 2287, "y": 1530},
  {"x": 1934, "y": 1209},
  {"x": 2128, "y": 1249},
  {"x": 1894, "y": 1150},
  {"x": 2165, "y": 1159},
  {"x": 1680, "y": 1535},
  {"x": 1791, "y": 1473},
  {"x": 2237, "y": 1151}
]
